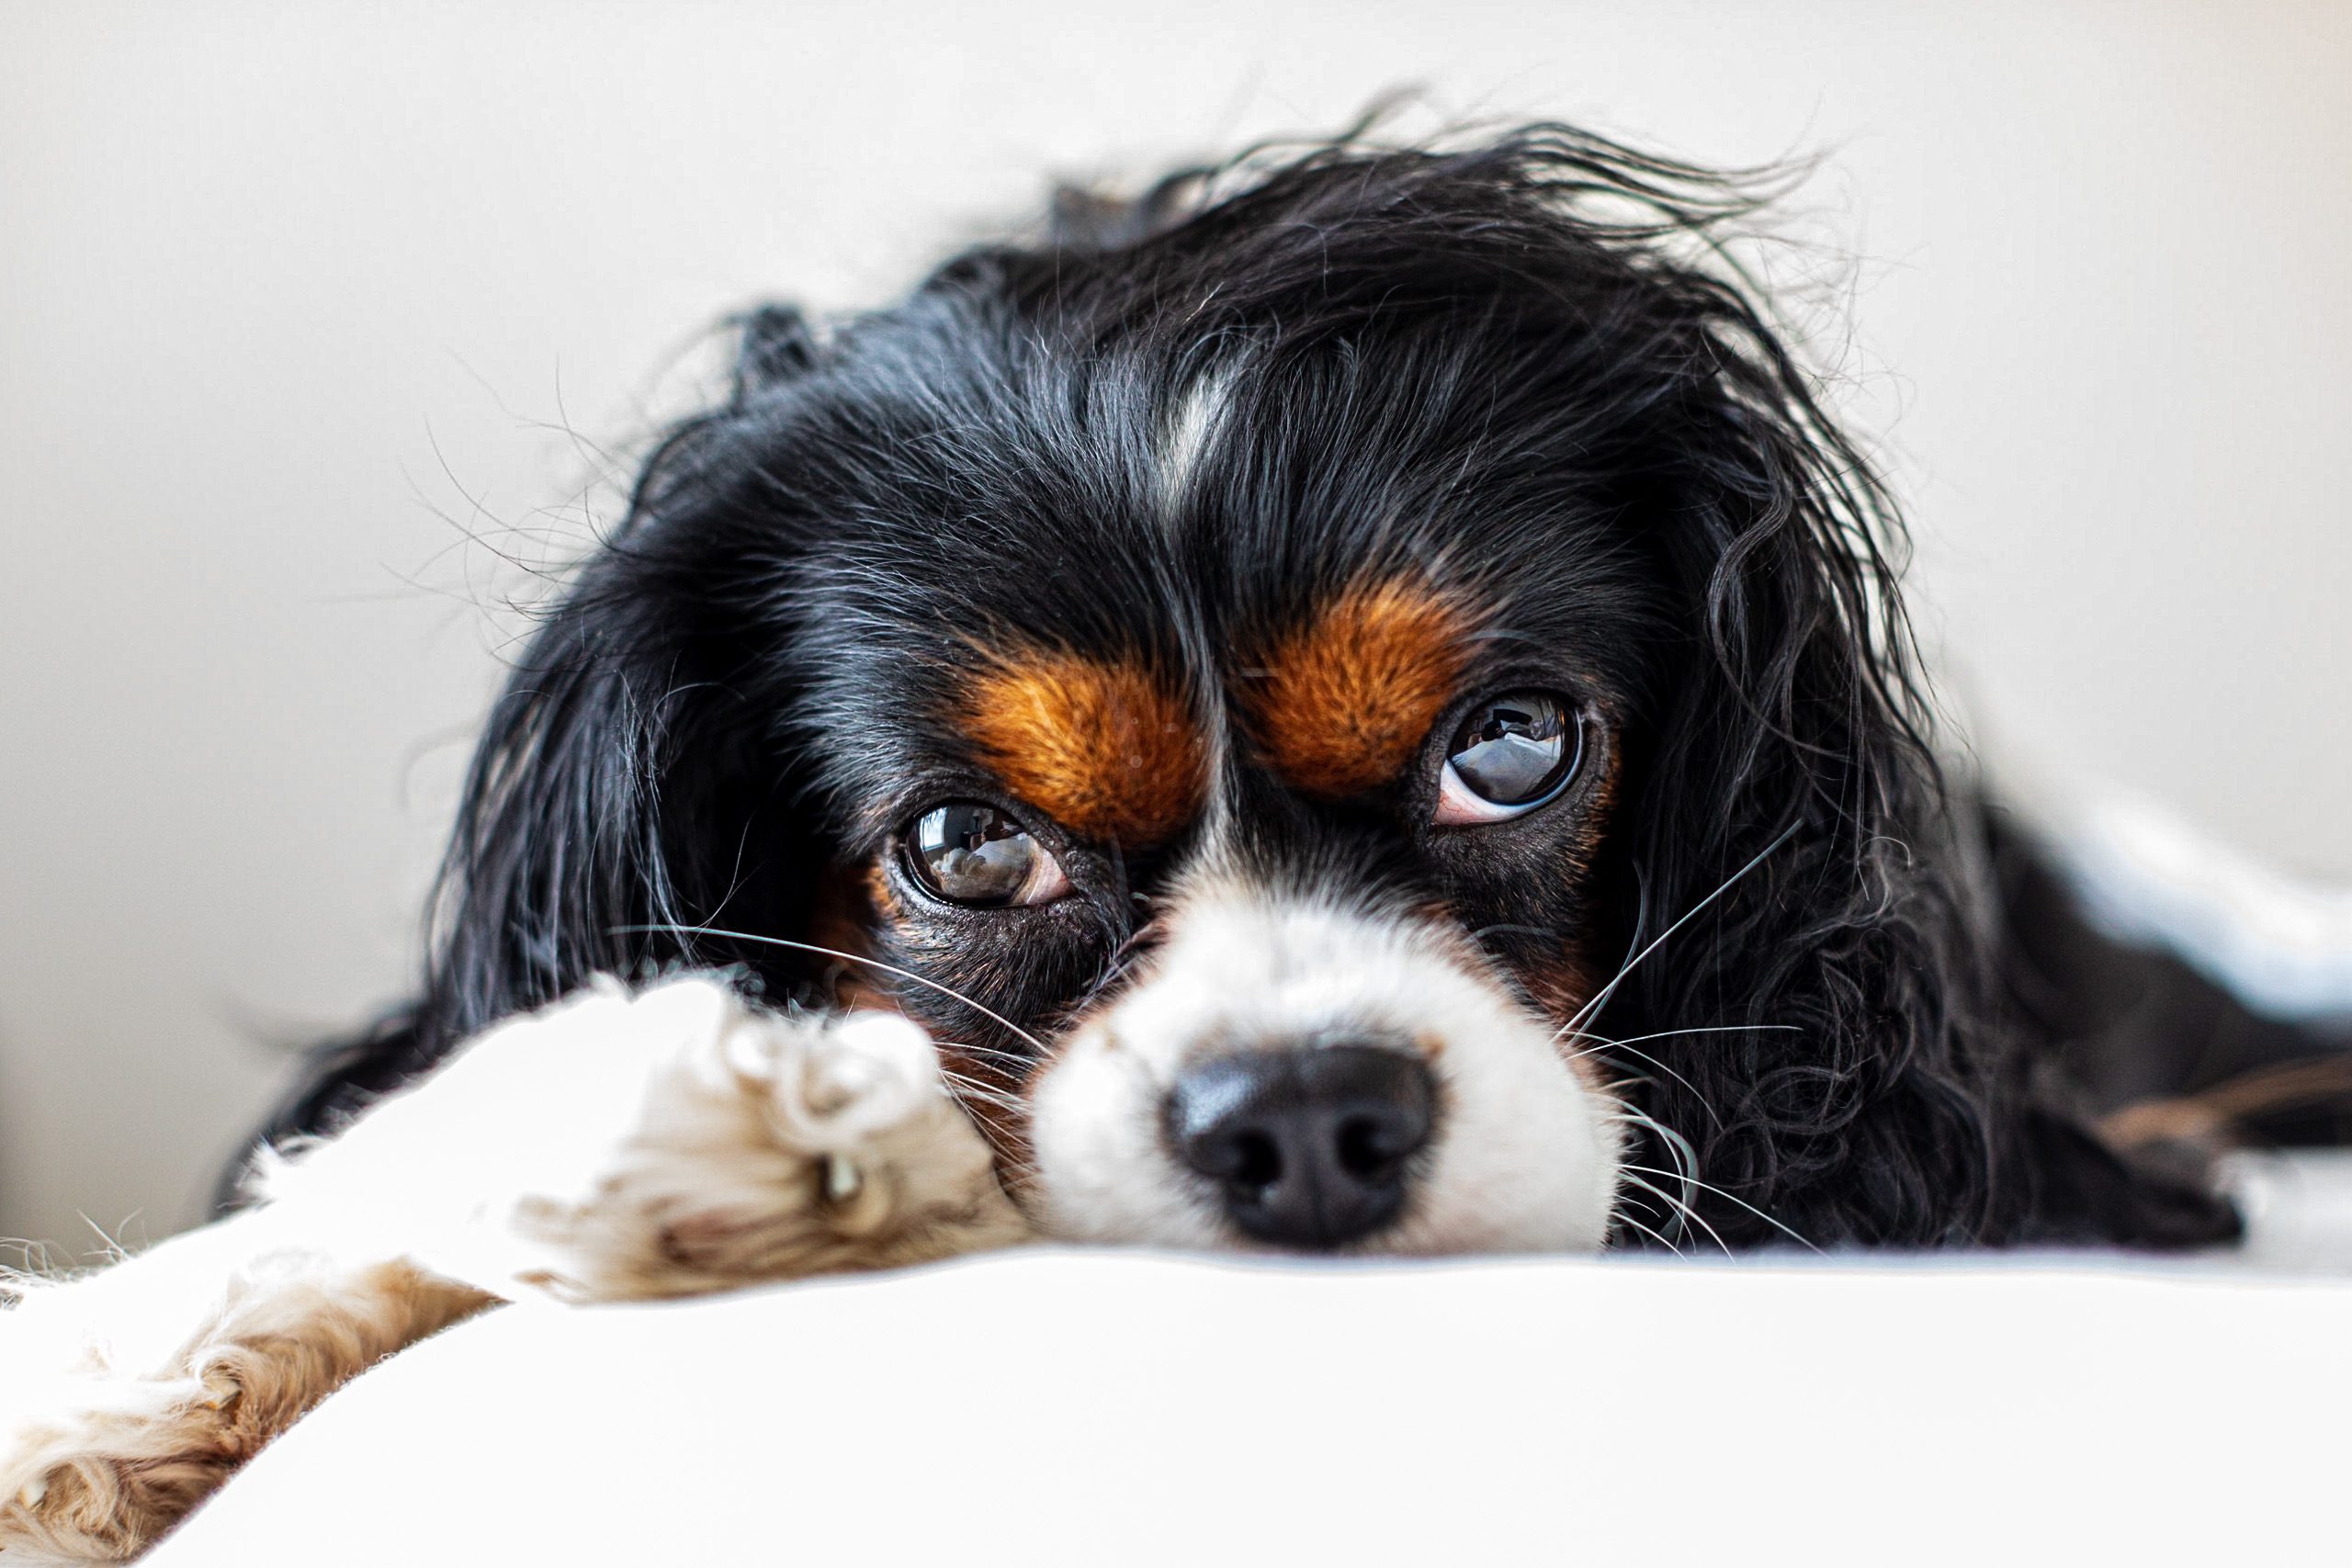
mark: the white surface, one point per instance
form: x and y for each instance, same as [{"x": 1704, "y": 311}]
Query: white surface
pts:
[
  {"x": 1115, "y": 1408},
  {"x": 265, "y": 268}
]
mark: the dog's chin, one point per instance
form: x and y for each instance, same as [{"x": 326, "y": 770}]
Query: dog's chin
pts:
[{"x": 1524, "y": 1152}]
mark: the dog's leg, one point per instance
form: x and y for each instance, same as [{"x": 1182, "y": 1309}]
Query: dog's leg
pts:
[
  {"x": 126, "y": 1396},
  {"x": 612, "y": 1148}
]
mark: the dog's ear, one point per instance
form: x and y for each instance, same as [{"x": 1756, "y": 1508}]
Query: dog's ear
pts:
[
  {"x": 630, "y": 793},
  {"x": 1855, "y": 1081},
  {"x": 1789, "y": 803},
  {"x": 627, "y": 795}
]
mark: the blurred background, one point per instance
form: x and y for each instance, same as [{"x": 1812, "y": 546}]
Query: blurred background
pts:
[{"x": 324, "y": 333}]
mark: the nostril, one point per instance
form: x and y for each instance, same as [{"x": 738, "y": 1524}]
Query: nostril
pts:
[
  {"x": 1372, "y": 1147},
  {"x": 1245, "y": 1156},
  {"x": 1308, "y": 1147},
  {"x": 1258, "y": 1160}
]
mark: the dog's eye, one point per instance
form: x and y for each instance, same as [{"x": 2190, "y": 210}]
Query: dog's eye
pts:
[
  {"x": 968, "y": 852},
  {"x": 1514, "y": 753}
]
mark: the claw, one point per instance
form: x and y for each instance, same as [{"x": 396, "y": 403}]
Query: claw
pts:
[
  {"x": 842, "y": 1179},
  {"x": 35, "y": 1490}
]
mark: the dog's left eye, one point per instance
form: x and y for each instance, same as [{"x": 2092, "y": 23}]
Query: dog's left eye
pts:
[
  {"x": 967, "y": 852},
  {"x": 1513, "y": 753}
]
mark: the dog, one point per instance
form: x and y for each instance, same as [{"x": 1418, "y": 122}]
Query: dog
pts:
[{"x": 1354, "y": 702}]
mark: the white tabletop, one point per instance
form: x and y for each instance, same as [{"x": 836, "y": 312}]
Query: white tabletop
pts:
[{"x": 1117, "y": 1408}]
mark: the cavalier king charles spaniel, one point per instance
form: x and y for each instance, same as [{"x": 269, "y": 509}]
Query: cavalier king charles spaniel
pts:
[{"x": 1354, "y": 702}]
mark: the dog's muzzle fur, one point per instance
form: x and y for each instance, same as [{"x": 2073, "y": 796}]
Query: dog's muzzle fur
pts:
[{"x": 1296, "y": 1073}]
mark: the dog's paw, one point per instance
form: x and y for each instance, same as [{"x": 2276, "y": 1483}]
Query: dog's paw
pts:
[{"x": 623, "y": 1145}]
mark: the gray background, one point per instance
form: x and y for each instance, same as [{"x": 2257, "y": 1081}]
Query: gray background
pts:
[{"x": 299, "y": 306}]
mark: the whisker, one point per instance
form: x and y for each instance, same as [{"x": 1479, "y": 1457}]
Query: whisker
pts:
[
  {"x": 986, "y": 1094},
  {"x": 1683, "y": 1211},
  {"x": 1653, "y": 1061},
  {"x": 1130, "y": 950},
  {"x": 1670, "y": 1033},
  {"x": 1008, "y": 1052},
  {"x": 984, "y": 1079},
  {"x": 1744, "y": 1204},
  {"x": 1601, "y": 996},
  {"x": 1017, "y": 1166},
  {"x": 1672, "y": 1213},
  {"x": 1686, "y": 1158},
  {"x": 1625, "y": 1218},
  {"x": 948, "y": 991},
  {"x": 1485, "y": 931},
  {"x": 1021, "y": 1059}
]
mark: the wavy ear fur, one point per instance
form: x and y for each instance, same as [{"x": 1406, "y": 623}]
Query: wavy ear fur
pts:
[
  {"x": 628, "y": 788},
  {"x": 624, "y": 791},
  {"x": 1827, "y": 1053},
  {"x": 1852, "y": 1086}
]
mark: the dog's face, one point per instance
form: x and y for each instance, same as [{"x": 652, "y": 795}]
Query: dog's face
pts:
[
  {"x": 1246, "y": 678},
  {"x": 1220, "y": 751},
  {"x": 1229, "y": 763}
]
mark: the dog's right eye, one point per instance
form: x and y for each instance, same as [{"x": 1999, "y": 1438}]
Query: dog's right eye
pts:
[{"x": 967, "y": 852}]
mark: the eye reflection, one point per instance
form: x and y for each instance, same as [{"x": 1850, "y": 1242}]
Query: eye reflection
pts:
[
  {"x": 1512, "y": 754},
  {"x": 967, "y": 852}
]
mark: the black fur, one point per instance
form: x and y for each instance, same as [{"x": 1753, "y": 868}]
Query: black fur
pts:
[{"x": 1524, "y": 369}]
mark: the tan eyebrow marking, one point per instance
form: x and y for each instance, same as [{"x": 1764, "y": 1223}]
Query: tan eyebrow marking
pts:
[
  {"x": 1345, "y": 701},
  {"x": 1106, "y": 747}
]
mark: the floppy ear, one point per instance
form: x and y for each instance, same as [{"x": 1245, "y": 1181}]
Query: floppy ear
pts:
[
  {"x": 630, "y": 787},
  {"x": 1784, "y": 797},
  {"x": 627, "y": 790},
  {"x": 617, "y": 802},
  {"x": 1864, "y": 1085}
]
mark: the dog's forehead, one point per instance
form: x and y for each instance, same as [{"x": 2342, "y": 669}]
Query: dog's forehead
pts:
[{"x": 1099, "y": 613}]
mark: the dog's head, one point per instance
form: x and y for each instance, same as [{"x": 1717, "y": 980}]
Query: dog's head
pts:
[{"x": 1264, "y": 674}]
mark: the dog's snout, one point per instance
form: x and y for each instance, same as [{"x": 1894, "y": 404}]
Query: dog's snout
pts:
[{"x": 1308, "y": 1147}]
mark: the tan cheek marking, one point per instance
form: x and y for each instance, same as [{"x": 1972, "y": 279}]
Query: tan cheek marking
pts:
[
  {"x": 1344, "y": 704},
  {"x": 1106, "y": 749},
  {"x": 882, "y": 900}
]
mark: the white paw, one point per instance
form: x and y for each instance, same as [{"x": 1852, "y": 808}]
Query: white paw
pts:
[
  {"x": 668, "y": 1142},
  {"x": 614, "y": 1146}
]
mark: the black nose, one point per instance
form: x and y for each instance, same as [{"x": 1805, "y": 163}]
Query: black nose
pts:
[{"x": 1307, "y": 1148}]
